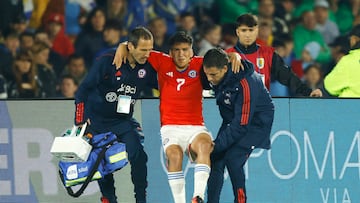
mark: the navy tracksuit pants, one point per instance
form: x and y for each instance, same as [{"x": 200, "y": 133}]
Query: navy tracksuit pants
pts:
[
  {"x": 234, "y": 159},
  {"x": 128, "y": 133}
]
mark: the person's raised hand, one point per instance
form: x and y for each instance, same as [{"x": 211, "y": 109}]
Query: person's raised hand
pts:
[{"x": 235, "y": 60}]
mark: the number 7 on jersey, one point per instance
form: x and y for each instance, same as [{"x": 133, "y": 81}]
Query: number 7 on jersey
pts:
[{"x": 180, "y": 82}]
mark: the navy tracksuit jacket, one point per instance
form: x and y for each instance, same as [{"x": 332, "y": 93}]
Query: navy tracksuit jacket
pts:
[
  {"x": 247, "y": 111},
  {"x": 96, "y": 99}
]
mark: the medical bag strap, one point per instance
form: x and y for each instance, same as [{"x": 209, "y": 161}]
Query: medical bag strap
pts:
[{"x": 89, "y": 177}]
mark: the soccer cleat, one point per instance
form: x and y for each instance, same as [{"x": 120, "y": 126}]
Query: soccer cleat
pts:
[
  {"x": 104, "y": 200},
  {"x": 197, "y": 199}
]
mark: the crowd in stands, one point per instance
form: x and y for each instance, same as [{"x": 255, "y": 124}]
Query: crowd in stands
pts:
[{"x": 48, "y": 46}]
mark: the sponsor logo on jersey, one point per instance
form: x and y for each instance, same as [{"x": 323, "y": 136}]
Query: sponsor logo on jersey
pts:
[
  {"x": 141, "y": 73},
  {"x": 260, "y": 62},
  {"x": 171, "y": 74},
  {"x": 192, "y": 74},
  {"x": 111, "y": 96},
  {"x": 126, "y": 89}
]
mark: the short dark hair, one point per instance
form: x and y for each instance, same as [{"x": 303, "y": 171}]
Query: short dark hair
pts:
[
  {"x": 315, "y": 66},
  {"x": 68, "y": 76},
  {"x": 26, "y": 34},
  {"x": 186, "y": 14},
  {"x": 180, "y": 37},
  {"x": 153, "y": 20},
  {"x": 74, "y": 56},
  {"x": 113, "y": 24},
  {"x": 277, "y": 42},
  {"x": 247, "y": 19},
  {"x": 215, "y": 58},
  {"x": 207, "y": 27},
  {"x": 40, "y": 31},
  {"x": 139, "y": 33}
]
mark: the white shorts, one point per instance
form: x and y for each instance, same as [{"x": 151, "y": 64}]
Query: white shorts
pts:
[{"x": 181, "y": 135}]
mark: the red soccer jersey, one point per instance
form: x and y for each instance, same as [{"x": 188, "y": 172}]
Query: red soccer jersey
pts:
[
  {"x": 180, "y": 92},
  {"x": 262, "y": 61}
]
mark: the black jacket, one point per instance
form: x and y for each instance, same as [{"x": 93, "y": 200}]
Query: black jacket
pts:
[{"x": 246, "y": 108}]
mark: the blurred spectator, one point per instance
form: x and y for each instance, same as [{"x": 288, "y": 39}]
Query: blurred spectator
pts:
[
  {"x": 111, "y": 36},
  {"x": 158, "y": 28},
  {"x": 306, "y": 32},
  {"x": 26, "y": 83},
  {"x": 11, "y": 43},
  {"x": 8, "y": 52},
  {"x": 54, "y": 58},
  {"x": 171, "y": 10},
  {"x": 19, "y": 24},
  {"x": 265, "y": 36},
  {"x": 276, "y": 88},
  {"x": 45, "y": 70},
  {"x": 229, "y": 10},
  {"x": 343, "y": 80},
  {"x": 339, "y": 48},
  {"x": 204, "y": 11},
  {"x": 116, "y": 9},
  {"x": 211, "y": 36},
  {"x": 356, "y": 21},
  {"x": 76, "y": 68},
  {"x": 187, "y": 23},
  {"x": 61, "y": 43},
  {"x": 139, "y": 12},
  {"x": 309, "y": 54},
  {"x": 289, "y": 48},
  {"x": 68, "y": 87},
  {"x": 90, "y": 39},
  {"x": 54, "y": 6},
  {"x": 313, "y": 76},
  {"x": 279, "y": 47},
  {"x": 328, "y": 29},
  {"x": 284, "y": 10},
  {"x": 9, "y": 10},
  {"x": 26, "y": 40},
  {"x": 229, "y": 37},
  {"x": 3, "y": 88},
  {"x": 74, "y": 10},
  {"x": 112, "y": 33},
  {"x": 266, "y": 11},
  {"x": 302, "y": 6},
  {"x": 343, "y": 15},
  {"x": 39, "y": 7}
]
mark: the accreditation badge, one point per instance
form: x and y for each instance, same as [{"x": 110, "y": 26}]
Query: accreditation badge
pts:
[
  {"x": 260, "y": 62},
  {"x": 123, "y": 105}
]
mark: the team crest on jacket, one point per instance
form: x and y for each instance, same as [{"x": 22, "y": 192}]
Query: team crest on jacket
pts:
[
  {"x": 141, "y": 73},
  {"x": 192, "y": 73},
  {"x": 260, "y": 62},
  {"x": 111, "y": 96}
]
